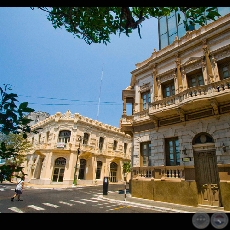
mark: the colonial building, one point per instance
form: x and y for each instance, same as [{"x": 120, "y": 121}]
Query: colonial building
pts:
[
  {"x": 73, "y": 149},
  {"x": 180, "y": 119}
]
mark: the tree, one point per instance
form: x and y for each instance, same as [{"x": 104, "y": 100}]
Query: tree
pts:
[
  {"x": 19, "y": 145},
  {"x": 13, "y": 120},
  {"x": 126, "y": 168},
  {"x": 97, "y": 24}
]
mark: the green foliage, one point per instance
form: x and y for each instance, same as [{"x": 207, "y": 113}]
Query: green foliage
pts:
[
  {"x": 126, "y": 167},
  {"x": 97, "y": 24},
  {"x": 13, "y": 120}
]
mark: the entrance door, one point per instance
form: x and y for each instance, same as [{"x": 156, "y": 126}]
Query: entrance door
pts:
[
  {"x": 207, "y": 178},
  {"x": 58, "y": 174},
  {"x": 59, "y": 169},
  {"x": 113, "y": 172}
]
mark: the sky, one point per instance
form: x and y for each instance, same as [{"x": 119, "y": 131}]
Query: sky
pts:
[{"x": 54, "y": 71}]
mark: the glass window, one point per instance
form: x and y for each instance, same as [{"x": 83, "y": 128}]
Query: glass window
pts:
[
  {"x": 224, "y": 70},
  {"x": 125, "y": 147},
  {"x": 47, "y": 136},
  {"x": 172, "y": 25},
  {"x": 195, "y": 80},
  {"x": 64, "y": 136},
  {"x": 145, "y": 153},
  {"x": 164, "y": 40},
  {"x": 145, "y": 100},
  {"x": 101, "y": 142},
  {"x": 86, "y": 138},
  {"x": 168, "y": 89},
  {"x": 172, "y": 38},
  {"x": 98, "y": 171},
  {"x": 181, "y": 30},
  {"x": 114, "y": 145},
  {"x": 172, "y": 152},
  {"x": 163, "y": 25}
]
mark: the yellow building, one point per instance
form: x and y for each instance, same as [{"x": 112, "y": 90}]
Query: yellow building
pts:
[
  {"x": 73, "y": 149},
  {"x": 180, "y": 119}
]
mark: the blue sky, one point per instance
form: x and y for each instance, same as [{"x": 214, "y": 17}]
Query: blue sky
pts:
[{"x": 56, "y": 72}]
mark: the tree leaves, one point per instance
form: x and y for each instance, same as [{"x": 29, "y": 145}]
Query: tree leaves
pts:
[
  {"x": 13, "y": 120},
  {"x": 97, "y": 24}
]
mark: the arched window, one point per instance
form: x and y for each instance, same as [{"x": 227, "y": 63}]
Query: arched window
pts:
[
  {"x": 86, "y": 138},
  {"x": 113, "y": 172},
  {"x": 59, "y": 169},
  {"x": 64, "y": 136},
  {"x": 101, "y": 142},
  {"x": 98, "y": 171},
  {"x": 114, "y": 145},
  {"x": 82, "y": 169}
]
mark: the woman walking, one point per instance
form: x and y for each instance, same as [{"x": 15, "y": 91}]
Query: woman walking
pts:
[{"x": 18, "y": 189}]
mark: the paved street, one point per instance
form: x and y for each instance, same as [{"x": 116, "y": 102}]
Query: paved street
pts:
[
  {"x": 66, "y": 200},
  {"x": 88, "y": 199}
]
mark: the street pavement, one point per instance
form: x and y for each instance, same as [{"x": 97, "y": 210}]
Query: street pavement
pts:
[{"x": 123, "y": 197}]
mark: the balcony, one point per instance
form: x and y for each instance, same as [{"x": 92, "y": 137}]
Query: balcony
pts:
[
  {"x": 185, "y": 100},
  {"x": 192, "y": 103}
]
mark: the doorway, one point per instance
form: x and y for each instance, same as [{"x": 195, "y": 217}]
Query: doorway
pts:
[
  {"x": 206, "y": 170},
  {"x": 59, "y": 169}
]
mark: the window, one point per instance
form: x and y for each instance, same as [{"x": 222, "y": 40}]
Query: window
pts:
[
  {"x": 168, "y": 89},
  {"x": 224, "y": 70},
  {"x": 145, "y": 153},
  {"x": 64, "y": 136},
  {"x": 47, "y": 136},
  {"x": 98, "y": 172},
  {"x": 39, "y": 138},
  {"x": 172, "y": 152},
  {"x": 172, "y": 28},
  {"x": 113, "y": 172},
  {"x": 195, "y": 80},
  {"x": 59, "y": 169},
  {"x": 85, "y": 139},
  {"x": 101, "y": 142},
  {"x": 82, "y": 168},
  {"x": 145, "y": 100},
  {"x": 125, "y": 147},
  {"x": 114, "y": 145}
]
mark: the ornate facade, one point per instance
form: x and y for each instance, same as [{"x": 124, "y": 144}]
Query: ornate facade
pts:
[
  {"x": 73, "y": 149},
  {"x": 180, "y": 120}
]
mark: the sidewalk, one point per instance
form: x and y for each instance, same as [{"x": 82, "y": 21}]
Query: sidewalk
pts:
[
  {"x": 158, "y": 205},
  {"x": 122, "y": 198}
]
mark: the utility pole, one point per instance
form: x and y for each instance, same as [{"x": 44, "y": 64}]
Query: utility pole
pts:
[{"x": 75, "y": 170}]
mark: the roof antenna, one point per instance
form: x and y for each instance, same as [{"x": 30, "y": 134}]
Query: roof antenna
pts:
[{"x": 100, "y": 93}]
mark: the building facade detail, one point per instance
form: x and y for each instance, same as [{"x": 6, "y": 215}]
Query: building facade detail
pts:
[
  {"x": 73, "y": 149},
  {"x": 182, "y": 136}
]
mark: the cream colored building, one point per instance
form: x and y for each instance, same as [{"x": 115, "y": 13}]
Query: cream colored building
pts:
[
  {"x": 180, "y": 119},
  {"x": 70, "y": 146}
]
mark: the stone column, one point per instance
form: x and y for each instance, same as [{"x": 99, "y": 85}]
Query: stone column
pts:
[
  {"x": 155, "y": 82},
  {"x": 179, "y": 76},
  {"x": 208, "y": 62}
]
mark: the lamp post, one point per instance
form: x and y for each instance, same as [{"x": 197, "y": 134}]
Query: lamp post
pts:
[{"x": 75, "y": 168}]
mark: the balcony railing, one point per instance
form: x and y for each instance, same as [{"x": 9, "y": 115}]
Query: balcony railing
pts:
[
  {"x": 191, "y": 94},
  {"x": 175, "y": 172},
  {"x": 159, "y": 172}
]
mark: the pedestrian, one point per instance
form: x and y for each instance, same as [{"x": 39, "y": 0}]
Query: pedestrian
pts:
[{"x": 18, "y": 189}]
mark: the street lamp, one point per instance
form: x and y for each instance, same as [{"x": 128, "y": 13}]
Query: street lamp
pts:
[{"x": 75, "y": 170}]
